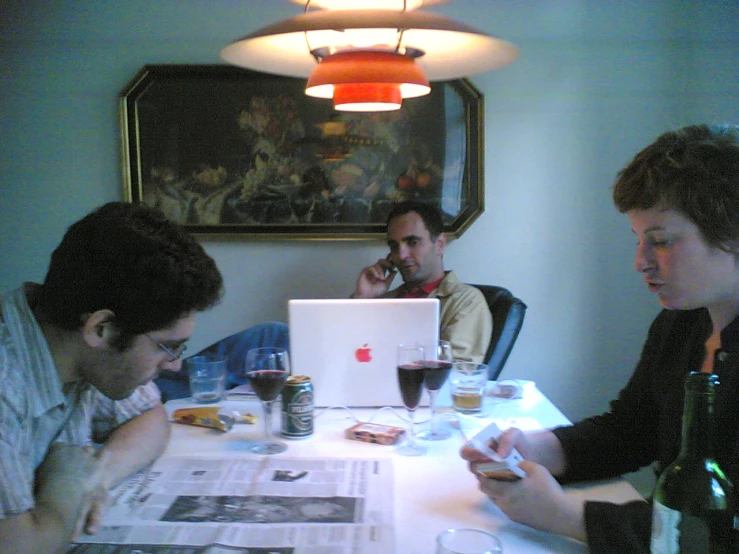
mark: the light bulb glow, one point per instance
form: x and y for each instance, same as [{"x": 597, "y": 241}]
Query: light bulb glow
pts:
[
  {"x": 367, "y": 97},
  {"x": 338, "y": 41},
  {"x": 369, "y": 4}
]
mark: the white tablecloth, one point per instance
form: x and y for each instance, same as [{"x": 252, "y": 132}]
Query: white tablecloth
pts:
[{"x": 432, "y": 492}]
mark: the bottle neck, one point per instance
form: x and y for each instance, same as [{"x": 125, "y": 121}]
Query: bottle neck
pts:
[{"x": 697, "y": 437}]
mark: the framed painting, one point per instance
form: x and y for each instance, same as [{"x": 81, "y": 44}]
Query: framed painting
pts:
[{"x": 233, "y": 153}]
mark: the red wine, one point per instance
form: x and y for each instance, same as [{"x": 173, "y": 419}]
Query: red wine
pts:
[
  {"x": 267, "y": 383},
  {"x": 435, "y": 373},
  {"x": 410, "y": 379}
]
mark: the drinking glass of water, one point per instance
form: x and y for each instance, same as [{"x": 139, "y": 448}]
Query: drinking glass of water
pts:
[{"x": 207, "y": 376}]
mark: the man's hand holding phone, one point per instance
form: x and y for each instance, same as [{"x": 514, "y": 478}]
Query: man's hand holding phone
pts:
[{"x": 375, "y": 280}]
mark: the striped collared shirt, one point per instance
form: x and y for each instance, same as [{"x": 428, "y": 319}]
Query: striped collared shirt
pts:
[{"x": 34, "y": 409}]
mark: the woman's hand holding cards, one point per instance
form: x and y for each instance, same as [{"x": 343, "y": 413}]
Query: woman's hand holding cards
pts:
[
  {"x": 491, "y": 458},
  {"x": 524, "y": 490}
]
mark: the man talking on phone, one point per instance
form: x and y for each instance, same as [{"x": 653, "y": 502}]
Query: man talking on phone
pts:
[{"x": 417, "y": 242}]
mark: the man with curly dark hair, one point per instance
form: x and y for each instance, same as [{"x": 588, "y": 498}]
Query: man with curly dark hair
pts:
[{"x": 77, "y": 359}]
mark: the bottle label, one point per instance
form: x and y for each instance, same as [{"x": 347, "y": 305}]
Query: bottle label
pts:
[
  {"x": 674, "y": 532},
  {"x": 665, "y": 533}
]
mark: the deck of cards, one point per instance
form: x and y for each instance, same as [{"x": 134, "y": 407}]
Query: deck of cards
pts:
[{"x": 504, "y": 469}]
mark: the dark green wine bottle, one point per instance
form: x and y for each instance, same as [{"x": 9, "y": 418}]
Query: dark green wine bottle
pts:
[{"x": 694, "y": 502}]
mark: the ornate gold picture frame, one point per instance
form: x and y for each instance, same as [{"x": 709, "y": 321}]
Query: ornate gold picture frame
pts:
[{"x": 233, "y": 153}]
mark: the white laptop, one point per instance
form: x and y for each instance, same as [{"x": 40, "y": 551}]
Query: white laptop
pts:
[{"x": 348, "y": 347}]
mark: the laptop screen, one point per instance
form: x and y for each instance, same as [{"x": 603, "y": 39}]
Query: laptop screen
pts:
[{"x": 348, "y": 347}]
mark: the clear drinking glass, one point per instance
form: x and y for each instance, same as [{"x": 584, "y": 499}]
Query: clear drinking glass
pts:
[
  {"x": 467, "y": 541},
  {"x": 468, "y": 382},
  {"x": 267, "y": 370},
  {"x": 437, "y": 365},
  {"x": 207, "y": 378},
  {"x": 410, "y": 380}
]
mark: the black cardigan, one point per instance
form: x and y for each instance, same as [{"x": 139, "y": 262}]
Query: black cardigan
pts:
[{"x": 644, "y": 424}]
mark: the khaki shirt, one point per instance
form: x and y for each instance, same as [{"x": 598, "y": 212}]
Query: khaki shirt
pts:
[{"x": 465, "y": 318}]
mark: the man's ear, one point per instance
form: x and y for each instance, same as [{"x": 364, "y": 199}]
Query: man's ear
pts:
[
  {"x": 440, "y": 243},
  {"x": 98, "y": 328}
]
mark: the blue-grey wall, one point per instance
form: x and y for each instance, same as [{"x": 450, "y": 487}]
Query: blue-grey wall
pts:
[{"x": 595, "y": 82}]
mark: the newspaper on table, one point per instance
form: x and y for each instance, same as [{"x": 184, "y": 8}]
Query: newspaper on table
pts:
[{"x": 247, "y": 505}]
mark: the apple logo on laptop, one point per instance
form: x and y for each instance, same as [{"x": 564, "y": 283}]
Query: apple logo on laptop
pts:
[{"x": 363, "y": 354}]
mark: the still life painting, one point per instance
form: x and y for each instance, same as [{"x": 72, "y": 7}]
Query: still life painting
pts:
[{"x": 241, "y": 154}]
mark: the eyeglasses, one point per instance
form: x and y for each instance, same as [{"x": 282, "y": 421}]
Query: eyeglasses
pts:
[{"x": 173, "y": 356}]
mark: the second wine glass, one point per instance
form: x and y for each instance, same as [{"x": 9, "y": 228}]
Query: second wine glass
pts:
[
  {"x": 410, "y": 380},
  {"x": 436, "y": 367},
  {"x": 267, "y": 370}
]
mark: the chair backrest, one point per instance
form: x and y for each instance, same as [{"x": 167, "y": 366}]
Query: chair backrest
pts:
[{"x": 508, "y": 313}]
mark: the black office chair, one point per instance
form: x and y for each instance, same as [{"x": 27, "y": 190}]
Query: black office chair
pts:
[{"x": 508, "y": 313}]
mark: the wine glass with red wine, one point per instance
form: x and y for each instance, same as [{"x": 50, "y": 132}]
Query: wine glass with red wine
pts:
[
  {"x": 436, "y": 367},
  {"x": 410, "y": 379},
  {"x": 267, "y": 370}
]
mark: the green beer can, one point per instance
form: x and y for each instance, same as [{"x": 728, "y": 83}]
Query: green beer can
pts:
[{"x": 297, "y": 407}]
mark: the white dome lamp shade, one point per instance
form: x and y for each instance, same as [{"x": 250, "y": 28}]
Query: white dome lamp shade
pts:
[{"x": 370, "y": 59}]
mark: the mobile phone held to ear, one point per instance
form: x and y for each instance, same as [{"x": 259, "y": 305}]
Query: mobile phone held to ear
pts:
[
  {"x": 392, "y": 268},
  {"x": 496, "y": 467}
]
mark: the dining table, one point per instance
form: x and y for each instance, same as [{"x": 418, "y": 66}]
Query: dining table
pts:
[{"x": 431, "y": 492}]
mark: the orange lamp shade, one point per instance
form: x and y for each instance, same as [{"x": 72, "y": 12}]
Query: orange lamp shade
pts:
[{"x": 363, "y": 80}]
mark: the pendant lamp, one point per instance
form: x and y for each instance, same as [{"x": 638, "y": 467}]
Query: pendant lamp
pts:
[{"x": 369, "y": 59}]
